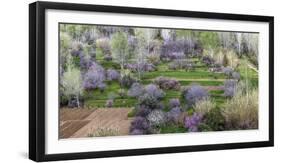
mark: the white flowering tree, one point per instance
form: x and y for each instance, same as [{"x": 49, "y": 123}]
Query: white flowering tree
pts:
[
  {"x": 120, "y": 48},
  {"x": 72, "y": 83}
]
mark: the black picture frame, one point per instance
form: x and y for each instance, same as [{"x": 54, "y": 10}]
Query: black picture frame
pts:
[{"x": 37, "y": 80}]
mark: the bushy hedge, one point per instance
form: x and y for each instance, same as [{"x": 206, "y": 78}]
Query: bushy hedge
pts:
[
  {"x": 194, "y": 94},
  {"x": 167, "y": 83}
]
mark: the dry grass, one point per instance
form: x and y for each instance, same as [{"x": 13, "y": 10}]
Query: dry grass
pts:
[
  {"x": 103, "y": 131},
  {"x": 204, "y": 106},
  {"x": 241, "y": 112}
]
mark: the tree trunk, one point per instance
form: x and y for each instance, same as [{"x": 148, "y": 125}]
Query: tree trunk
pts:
[{"x": 78, "y": 104}]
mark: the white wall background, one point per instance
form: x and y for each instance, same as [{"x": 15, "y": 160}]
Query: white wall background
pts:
[{"x": 14, "y": 79}]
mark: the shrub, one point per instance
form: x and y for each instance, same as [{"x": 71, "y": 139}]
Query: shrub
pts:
[
  {"x": 214, "y": 119},
  {"x": 153, "y": 91},
  {"x": 139, "y": 126},
  {"x": 203, "y": 106},
  {"x": 142, "y": 111},
  {"x": 227, "y": 71},
  {"x": 229, "y": 87},
  {"x": 85, "y": 62},
  {"x": 174, "y": 115},
  {"x": 136, "y": 90},
  {"x": 112, "y": 74},
  {"x": 194, "y": 94},
  {"x": 148, "y": 101},
  {"x": 241, "y": 112},
  {"x": 167, "y": 83},
  {"x": 156, "y": 118},
  {"x": 192, "y": 122},
  {"x": 174, "y": 102},
  {"x": 235, "y": 75},
  {"x": 109, "y": 103}
]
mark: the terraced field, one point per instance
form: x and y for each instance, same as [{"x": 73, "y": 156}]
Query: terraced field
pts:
[{"x": 200, "y": 75}]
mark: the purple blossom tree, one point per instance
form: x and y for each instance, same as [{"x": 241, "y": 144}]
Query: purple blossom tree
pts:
[
  {"x": 153, "y": 90},
  {"x": 175, "y": 49},
  {"x": 195, "y": 93},
  {"x": 174, "y": 102},
  {"x": 142, "y": 111},
  {"x": 174, "y": 114},
  {"x": 136, "y": 90},
  {"x": 94, "y": 77},
  {"x": 112, "y": 74},
  {"x": 85, "y": 62},
  {"x": 139, "y": 126},
  {"x": 192, "y": 122},
  {"x": 229, "y": 87}
]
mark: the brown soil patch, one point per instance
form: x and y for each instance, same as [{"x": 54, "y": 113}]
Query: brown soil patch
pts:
[
  {"x": 110, "y": 118},
  {"x": 71, "y": 120},
  {"x": 67, "y": 114},
  {"x": 77, "y": 123}
]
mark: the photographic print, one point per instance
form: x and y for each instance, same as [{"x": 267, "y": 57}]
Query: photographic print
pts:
[
  {"x": 110, "y": 81},
  {"x": 126, "y": 80}
]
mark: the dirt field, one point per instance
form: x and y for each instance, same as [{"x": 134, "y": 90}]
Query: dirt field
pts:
[{"x": 77, "y": 123}]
